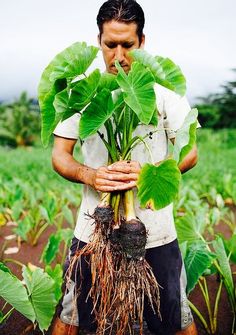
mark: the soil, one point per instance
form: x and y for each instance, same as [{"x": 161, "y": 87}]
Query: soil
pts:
[{"x": 19, "y": 325}]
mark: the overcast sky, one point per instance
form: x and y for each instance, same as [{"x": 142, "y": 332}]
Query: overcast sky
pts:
[{"x": 197, "y": 35}]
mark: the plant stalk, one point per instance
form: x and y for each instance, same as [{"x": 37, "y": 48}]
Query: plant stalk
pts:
[
  {"x": 200, "y": 316},
  {"x": 11, "y": 260},
  {"x": 8, "y": 314},
  {"x": 39, "y": 233},
  {"x": 204, "y": 290},
  {"x": 128, "y": 200},
  {"x": 217, "y": 305}
]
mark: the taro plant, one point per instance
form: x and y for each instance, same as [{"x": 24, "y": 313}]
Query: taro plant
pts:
[
  {"x": 121, "y": 103},
  {"x": 225, "y": 271},
  {"x": 31, "y": 226},
  {"x": 57, "y": 246},
  {"x": 36, "y": 299},
  {"x": 203, "y": 258}
]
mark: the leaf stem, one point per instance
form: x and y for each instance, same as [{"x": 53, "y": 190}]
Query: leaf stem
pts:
[
  {"x": 128, "y": 199},
  {"x": 105, "y": 199},
  {"x": 7, "y": 314},
  {"x": 217, "y": 305},
  {"x": 11, "y": 260},
  {"x": 108, "y": 147},
  {"x": 39, "y": 233},
  {"x": 111, "y": 139},
  {"x": 116, "y": 205},
  {"x": 200, "y": 316},
  {"x": 204, "y": 290}
]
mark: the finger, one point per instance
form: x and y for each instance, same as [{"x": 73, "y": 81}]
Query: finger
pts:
[
  {"x": 125, "y": 167},
  {"x": 107, "y": 182},
  {"x": 123, "y": 176},
  {"x": 117, "y": 188}
]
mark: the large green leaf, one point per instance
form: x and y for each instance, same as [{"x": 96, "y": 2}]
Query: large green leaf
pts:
[
  {"x": 186, "y": 136},
  {"x": 13, "y": 291},
  {"x": 69, "y": 63},
  {"x": 56, "y": 274},
  {"x": 53, "y": 245},
  {"x": 68, "y": 215},
  {"x": 138, "y": 90},
  {"x": 165, "y": 72},
  {"x": 223, "y": 260},
  {"x": 231, "y": 247},
  {"x": 61, "y": 105},
  {"x": 197, "y": 260},
  {"x": 23, "y": 228},
  {"x": 51, "y": 249},
  {"x": 66, "y": 66},
  {"x": 4, "y": 268},
  {"x": 190, "y": 227},
  {"x": 96, "y": 114},
  {"x": 84, "y": 90},
  {"x": 108, "y": 81},
  {"x": 158, "y": 185},
  {"x": 47, "y": 109},
  {"x": 42, "y": 295}
]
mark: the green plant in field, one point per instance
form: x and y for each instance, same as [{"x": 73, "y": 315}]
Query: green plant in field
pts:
[
  {"x": 52, "y": 250},
  {"x": 201, "y": 260},
  {"x": 55, "y": 209},
  {"x": 36, "y": 299},
  {"x": 225, "y": 270},
  {"x": 20, "y": 122},
  {"x": 31, "y": 227}
]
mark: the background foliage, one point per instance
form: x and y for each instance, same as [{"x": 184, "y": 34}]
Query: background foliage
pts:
[
  {"x": 218, "y": 110},
  {"x": 19, "y": 122}
]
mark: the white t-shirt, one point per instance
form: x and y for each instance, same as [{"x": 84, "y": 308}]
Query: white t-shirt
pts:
[{"x": 172, "y": 109}]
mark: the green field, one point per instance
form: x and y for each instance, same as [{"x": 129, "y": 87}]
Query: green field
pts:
[
  {"x": 216, "y": 161},
  {"x": 216, "y": 164}
]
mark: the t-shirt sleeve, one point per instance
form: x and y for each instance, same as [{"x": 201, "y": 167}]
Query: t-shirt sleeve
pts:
[
  {"x": 68, "y": 128},
  {"x": 175, "y": 110}
]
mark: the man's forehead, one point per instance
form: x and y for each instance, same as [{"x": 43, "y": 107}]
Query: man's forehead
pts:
[{"x": 119, "y": 30}]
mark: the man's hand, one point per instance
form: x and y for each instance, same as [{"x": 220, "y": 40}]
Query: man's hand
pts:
[{"x": 118, "y": 176}]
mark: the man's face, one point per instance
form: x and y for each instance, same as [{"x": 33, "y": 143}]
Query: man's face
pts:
[{"x": 117, "y": 39}]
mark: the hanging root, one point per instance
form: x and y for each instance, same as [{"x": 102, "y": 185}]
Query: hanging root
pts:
[
  {"x": 134, "y": 279},
  {"x": 99, "y": 250}
]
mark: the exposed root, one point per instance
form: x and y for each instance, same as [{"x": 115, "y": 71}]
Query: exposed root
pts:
[
  {"x": 134, "y": 282},
  {"x": 121, "y": 277},
  {"x": 101, "y": 262},
  {"x": 134, "y": 279}
]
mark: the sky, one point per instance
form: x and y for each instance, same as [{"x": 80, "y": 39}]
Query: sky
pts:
[{"x": 199, "y": 36}]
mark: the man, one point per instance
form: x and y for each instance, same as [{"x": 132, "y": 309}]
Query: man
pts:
[{"x": 121, "y": 25}]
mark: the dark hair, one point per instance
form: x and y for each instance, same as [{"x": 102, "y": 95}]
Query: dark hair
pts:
[{"x": 124, "y": 11}]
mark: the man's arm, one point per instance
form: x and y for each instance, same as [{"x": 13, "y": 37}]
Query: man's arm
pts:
[
  {"x": 190, "y": 159},
  {"x": 64, "y": 163},
  {"x": 102, "y": 179}
]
